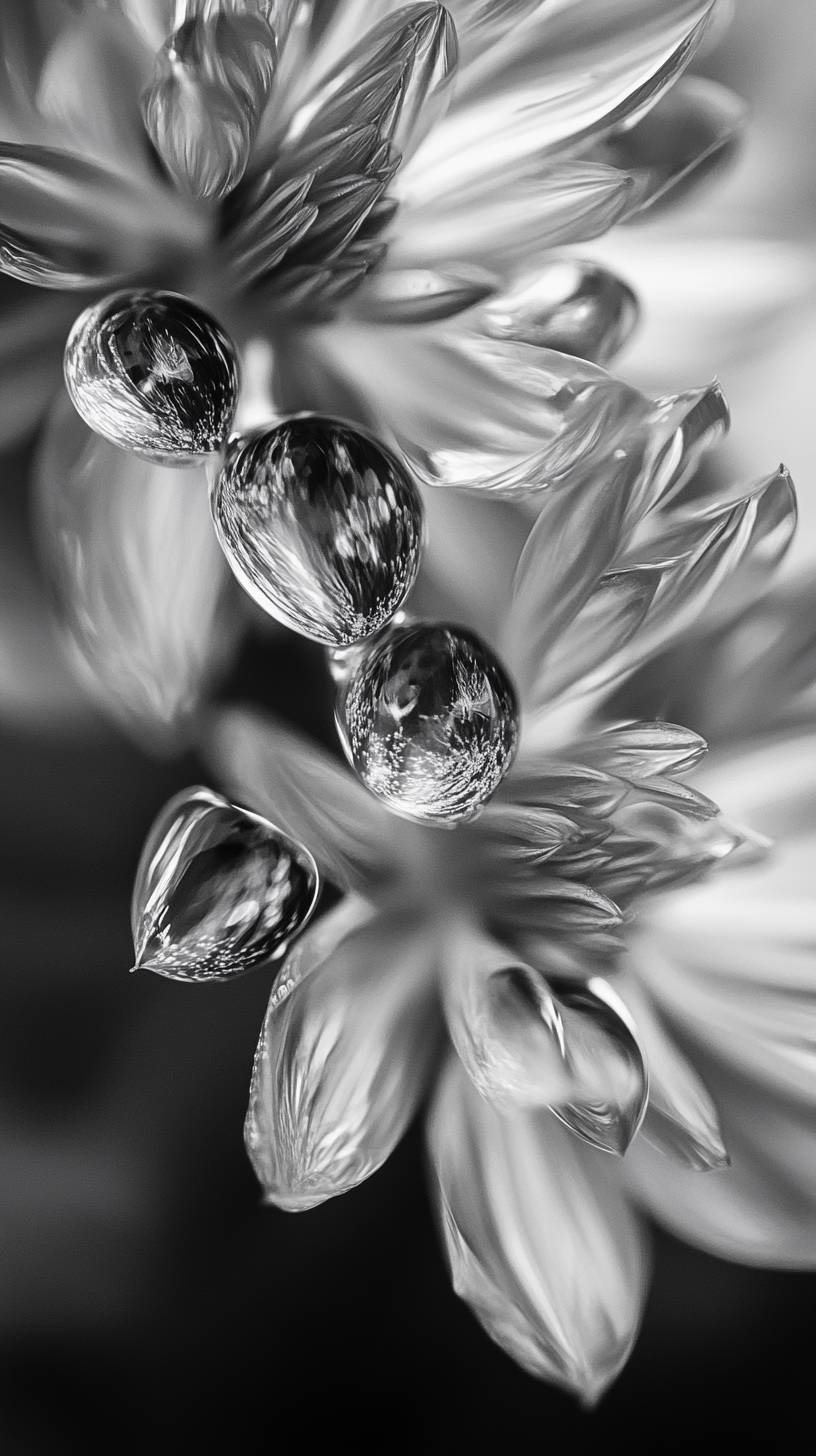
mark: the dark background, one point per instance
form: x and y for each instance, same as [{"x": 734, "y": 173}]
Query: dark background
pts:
[{"x": 147, "y": 1301}]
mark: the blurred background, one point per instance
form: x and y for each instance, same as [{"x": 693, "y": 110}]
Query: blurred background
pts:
[{"x": 145, "y": 1296}]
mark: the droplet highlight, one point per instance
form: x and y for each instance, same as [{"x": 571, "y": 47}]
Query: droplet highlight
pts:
[
  {"x": 429, "y": 720},
  {"x": 153, "y": 373},
  {"x": 321, "y": 525},
  {"x": 218, "y": 890}
]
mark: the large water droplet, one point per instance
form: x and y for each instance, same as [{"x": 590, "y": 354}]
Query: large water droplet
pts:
[
  {"x": 429, "y": 720},
  {"x": 321, "y": 525},
  {"x": 153, "y": 373},
  {"x": 218, "y": 890}
]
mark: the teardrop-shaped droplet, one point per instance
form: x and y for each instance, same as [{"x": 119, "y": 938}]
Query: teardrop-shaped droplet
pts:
[
  {"x": 153, "y": 373},
  {"x": 603, "y": 1055},
  {"x": 429, "y": 720},
  {"x": 204, "y": 103},
  {"x": 218, "y": 890},
  {"x": 321, "y": 525},
  {"x": 575, "y": 307}
]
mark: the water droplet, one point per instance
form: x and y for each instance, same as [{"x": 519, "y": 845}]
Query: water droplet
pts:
[
  {"x": 429, "y": 720},
  {"x": 573, "y": 306},
  {"x": 153, "y": 373},
  {"x": 218, "y": 890},
  {"x": 606, "y": 1063},
  {"x": 321, "y": 525}
]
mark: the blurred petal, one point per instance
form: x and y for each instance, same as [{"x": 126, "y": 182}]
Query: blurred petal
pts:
[
  {"x": 89, "y": 90},
  {"x": 541, "y": 1244},
  {"x": 312, "y": 796},
  {"x": 141, "y": 586},
  {"x": 68, "y": 222},
  {"x": 760, "y": 1210},
  {"x": 421, "y": 295},
  {"x": 341, "y": 1065},
  {"x": 681, "y": 1119},
  {"x": 503, "y": 225},
  {"x": 31, "y": 346},
  {"x": 694, "y": 130},
  {"x": 573, "y": 306}
]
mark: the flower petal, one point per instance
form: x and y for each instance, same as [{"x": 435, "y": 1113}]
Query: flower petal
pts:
[
  {"x": 341, "y": 1065},
  {"x": 308, "y": 793},
  {"x": 694, "y": 130},
  {"x": 68, "y": 222},
  {"x": 140, "y": 583},
  {"x": 642, "y": 750},
  {"x": 609, "y": 1081},
  {"x": 541, "y": 1244},
  {"x": 760, "y": 1210},
  {"x": 89, "y": 90},
  {"x": 31, "y": 347},
  {"x": 681, "y": 1119}
]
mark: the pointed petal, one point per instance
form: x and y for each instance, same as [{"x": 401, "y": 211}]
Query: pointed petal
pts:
[
  {"x": 681, "y": 1119},
  {"x": 567, "y": 304},
  {"x": 762, "y": 1209},
  {"x": 421, "y": 295},
  {"x": 341, "y": 1066},
  {"x": 540, "y": 1242},
  {"x": 693, "y": 131},
  {"x": 141, "y": 586},
  {"x": 311, "y": 796},
  {"x": 642, "y": 750}
]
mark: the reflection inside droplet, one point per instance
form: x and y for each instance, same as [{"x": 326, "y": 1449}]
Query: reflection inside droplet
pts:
[
  {"x": 429, "y": 720},
  {"x": 153, "y": 373},
  {"x": 218, "y": 890},
  {"x": 321, "y": 525}
]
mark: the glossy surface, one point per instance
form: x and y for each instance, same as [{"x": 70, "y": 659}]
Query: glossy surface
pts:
[
  {"x": 321, "y": 525},
  {"x": 153, "y": 373},
  {"x": 218, "y": 890},
  {"x": 429, "y": 720}
]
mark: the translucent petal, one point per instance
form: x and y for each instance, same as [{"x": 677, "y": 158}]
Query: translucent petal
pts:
[
  {"x": 567, "y": 304},
  {"x": 153, "y": 373},
  {"x": 421, "y": 295},
  {"x": 140, "y": 583},
  {"x": 503, "y": 225},
  {"x": 204, "y": 103},
  {"x": 540, "y": 1242},
  {"x": 27, "y": 30},
  {"x": 321, "y": 525},
  {"x": 70, "y": 223},
  {"x": 580, "y": 660},
  {"x": 341, "y": 1066},
  {"x": 570, "y": 547},
  {"x": 760, "y": 1210},
  {"x": 297, "y": 784},
  {"x": 523, "y": 835},
  {"x": 681, "y": 1119},
  {"x": 31, "y": 344},
  {"x": 551, "y": 905},
  {"x": 89, "y": 90},
  {"x": 429, "y": 720},
  {"x": 610, "y": 1084},
  {"x": 218, "y": 890},
  {"x": 568, "y": 73},
  {"x": 641, "y": 750},
  {"x": 684, "y": 428},
  {"x": 693, "y": 131},
  {"x": 503, "y": 1022}
]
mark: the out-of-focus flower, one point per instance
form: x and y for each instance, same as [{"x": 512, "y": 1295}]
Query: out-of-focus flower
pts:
[
  {"x": 540, "y": 930},
  {"x": 366, "y": 208}
]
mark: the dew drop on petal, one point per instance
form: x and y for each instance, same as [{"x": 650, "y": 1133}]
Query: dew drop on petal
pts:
[
  {"x": 575, "y": 307},
  {"x": 429, "y": 720},
  {"x": 607, "y": 1066},
  {"x": 218, "y": 890},
  {"x": 153, "y": 373},
  {"x": 321, "y": 525}
]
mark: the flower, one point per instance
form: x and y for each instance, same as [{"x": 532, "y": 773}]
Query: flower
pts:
[
  {"x": 541, "y": 930},
  {"x": 365, "y": 207}
]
